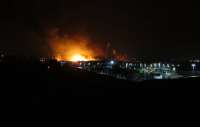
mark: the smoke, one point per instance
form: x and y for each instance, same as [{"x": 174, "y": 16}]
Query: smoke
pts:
[{"x": 65, "y": 45}]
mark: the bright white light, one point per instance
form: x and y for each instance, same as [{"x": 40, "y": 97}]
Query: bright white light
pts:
[
  {"x": 168, "y": 65},
  {"x": 159, "y": 65},
  {"x": 194, "y": 76},
  {"x": 158, "y": 77},
  {"x": 112, "y": 62},
  {"x": 155, "y": 65},
  {"x": 126, "y": 65},
  {"x": 193, "y": 66}
]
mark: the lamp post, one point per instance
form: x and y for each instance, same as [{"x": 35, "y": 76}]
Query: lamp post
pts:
[{"x": 193, "y": 66}]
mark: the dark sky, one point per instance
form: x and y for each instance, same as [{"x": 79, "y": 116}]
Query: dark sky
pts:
[{"x": 153, "y": 28}]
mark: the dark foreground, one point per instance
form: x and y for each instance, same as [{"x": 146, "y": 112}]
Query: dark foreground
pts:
[{"x": 38, "y": 84}]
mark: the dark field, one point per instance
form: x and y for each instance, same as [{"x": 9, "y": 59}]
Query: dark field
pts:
[{"x": 32, "y": 82}]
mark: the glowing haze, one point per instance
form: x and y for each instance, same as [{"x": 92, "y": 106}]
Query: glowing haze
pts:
[{"x": 73, "y": 48}]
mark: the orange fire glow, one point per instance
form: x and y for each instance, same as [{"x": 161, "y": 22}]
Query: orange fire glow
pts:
[
  {"x": 75, "y": 54},
  {"x": 74, "y": 49},
  {"x": 77, "y": 47},
  {"x": 78, "y": 57}
]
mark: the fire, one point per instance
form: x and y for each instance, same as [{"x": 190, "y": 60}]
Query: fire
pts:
[
  {"x": 74, "y": 48},
  {"x": 78, "y": 57},
  {"x": 75, "y": 54}
]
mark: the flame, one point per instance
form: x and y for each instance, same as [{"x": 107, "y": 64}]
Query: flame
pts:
[
  {"x": 78, "y": 57},
  {"x": 73, "y": 48},
  {"x": 76, "y": 54}
]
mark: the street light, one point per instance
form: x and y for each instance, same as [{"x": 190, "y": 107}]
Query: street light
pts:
[
  {"x": 159, "y": 65},
  {"x": 193, "y": 66},
  {"x": 140, "y": 65},
  {"x": 163, "y": 65},
  {"x": 168, "y": 65},
  {"x": 155, "y": 65},
  {"x": 112, "y": 62}
]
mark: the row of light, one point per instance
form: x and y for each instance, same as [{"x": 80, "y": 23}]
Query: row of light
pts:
[
  {"x": 153, "y": 65},
  {"x": 195, "y": 61},
  {"x": 112, "y": 62}
]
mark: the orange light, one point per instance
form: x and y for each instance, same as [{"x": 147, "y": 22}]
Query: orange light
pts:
[
  {"x": 73, "y": 48},
  {"x": 58, "y": 58},
  {"x": 78, "y": 57}
]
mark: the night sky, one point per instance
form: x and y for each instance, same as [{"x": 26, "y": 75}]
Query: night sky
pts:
[{"x": 151, "y": 28}]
